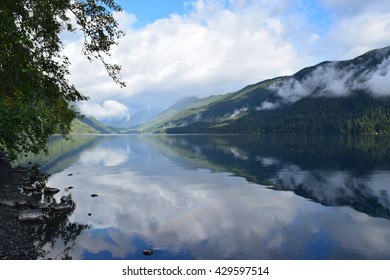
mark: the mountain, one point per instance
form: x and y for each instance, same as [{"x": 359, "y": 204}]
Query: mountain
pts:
[
  {"x": 90, "y": 125},
  {"x": 164, "y": 119},
  {"x": 132, "y": 120},
  {"x": 343, "y": 97},
  {"x": 78, "y": 127}
]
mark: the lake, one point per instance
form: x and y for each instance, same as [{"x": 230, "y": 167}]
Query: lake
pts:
[{"x": 219, "y": 197}]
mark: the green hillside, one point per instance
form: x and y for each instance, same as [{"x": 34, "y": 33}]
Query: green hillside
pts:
[
  {"x": 331, "y": 97},
  {"x": 90, "y": 125},
  {"x": 166, "y": 119},
  {"x": 78, "y": 127},
  {"x": 358, "y": 113},
  {"x": 98, "y": 126}
]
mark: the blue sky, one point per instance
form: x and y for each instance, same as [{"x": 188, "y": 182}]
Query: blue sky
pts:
[
  {"x": 175, "y": 49},
  {"x": 147, "y": 11}
]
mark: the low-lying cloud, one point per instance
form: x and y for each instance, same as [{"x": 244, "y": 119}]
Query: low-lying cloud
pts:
[
  {"x": 331, "y": 79},
  {"x": 266, "y": 105},
  {"x": 110, "y": 109},
  {"x": 238, "y": 112}
]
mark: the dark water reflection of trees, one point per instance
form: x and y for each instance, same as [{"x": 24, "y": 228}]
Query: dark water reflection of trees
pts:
[
  {"x": 330, "y": 170},
  {"x": 58, "y": 231}
]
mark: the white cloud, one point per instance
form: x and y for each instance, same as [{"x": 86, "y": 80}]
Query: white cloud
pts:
[
  {"x": 221, "y": 46},
  {"x": 379, "y": 81},
  {"x": 344, "y": 8},
  {"x": 331, "y": 80},
  {"x": 218, "y": 47},
  {"x": 356, "y": 35},
  {"x": 267, "y": 106},
  {"x": 109, "y": 109},
  {"x": 238, "y": 112}
]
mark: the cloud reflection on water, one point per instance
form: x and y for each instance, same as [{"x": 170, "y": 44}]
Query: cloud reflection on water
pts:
[{"x": 148, "y": 196}]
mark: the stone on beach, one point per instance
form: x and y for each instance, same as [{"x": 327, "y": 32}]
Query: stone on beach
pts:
[
  {"x": 30, "y": 215},
  {"x": 63, "y": 207},
  {"x": 51, "y": 191}
]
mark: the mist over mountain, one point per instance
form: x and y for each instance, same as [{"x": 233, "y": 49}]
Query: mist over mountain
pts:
[
  {"x": 348, "y": 97},
  {"x": 132, "y": 120},
  {"x": 369, "y": 72}
]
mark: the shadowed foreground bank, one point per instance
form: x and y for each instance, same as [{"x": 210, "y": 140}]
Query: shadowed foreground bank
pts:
[
  {"x": 31, "y": 220},
  {"x": 16, "y": 238}
]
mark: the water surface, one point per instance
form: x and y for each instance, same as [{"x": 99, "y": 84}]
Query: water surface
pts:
[{"x": 221, "y": 197}]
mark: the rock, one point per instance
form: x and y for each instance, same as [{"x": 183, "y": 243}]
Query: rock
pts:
[
  {"x": 71, "y": 187},
  {"x": 21, "y": 202},
  {"x": 37, "y": 177},
  {"x": 36, "y": 193},
  {"x": 63, "y": 207},
  {"x": 94, "y": 195},
  {"x": 51, "y": 191},
  {"x": 70, "y": 174},
  {"x": 30, "y": 215},
  {"x": 89, "y": 214},
  {"x": 43, "y": 206},
  {"x": 148, "y": 252},
  {"x": 29, "y": 188},
  {"x": 13, "y": 202},
  {"x": 8, "y": 202},
  {"x": 20, "y": 169},
  {"x": 65, "y": 199}
]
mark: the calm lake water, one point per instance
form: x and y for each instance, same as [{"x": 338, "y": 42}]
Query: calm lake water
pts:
[{"x": 220, "y": 197}]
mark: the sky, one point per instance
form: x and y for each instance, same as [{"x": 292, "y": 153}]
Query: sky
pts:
[{"x": 175, "y": 49}]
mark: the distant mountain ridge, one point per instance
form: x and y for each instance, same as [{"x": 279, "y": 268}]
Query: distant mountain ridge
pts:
[
  {"x": 90, "y": 125},
  {"x": 133, "y": 120},
  {"x": 344, "y": 97}
]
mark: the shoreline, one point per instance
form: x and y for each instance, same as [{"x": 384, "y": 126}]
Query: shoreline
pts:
[{"x": 17, "y": 238}]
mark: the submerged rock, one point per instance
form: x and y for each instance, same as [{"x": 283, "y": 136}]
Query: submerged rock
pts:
[{"x": 148, "y": 252}]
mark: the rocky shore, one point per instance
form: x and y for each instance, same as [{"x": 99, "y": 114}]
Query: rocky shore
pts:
[
  {"x": 17, "y": 238},
  {"x": 23, "y": 214}
]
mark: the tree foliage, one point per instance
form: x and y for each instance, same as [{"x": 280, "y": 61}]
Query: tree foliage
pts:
[
  {"x": 356, "y": 113},
  {"x": 36, "y": 98}
]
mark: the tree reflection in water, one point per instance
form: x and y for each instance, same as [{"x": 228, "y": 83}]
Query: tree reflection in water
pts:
[
  {"x": 55, "y": 236},
  {"x": 56, "y": 229}
]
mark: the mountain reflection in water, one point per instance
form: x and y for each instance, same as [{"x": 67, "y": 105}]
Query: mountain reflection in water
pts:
[{"x": 226, "y": 197}]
